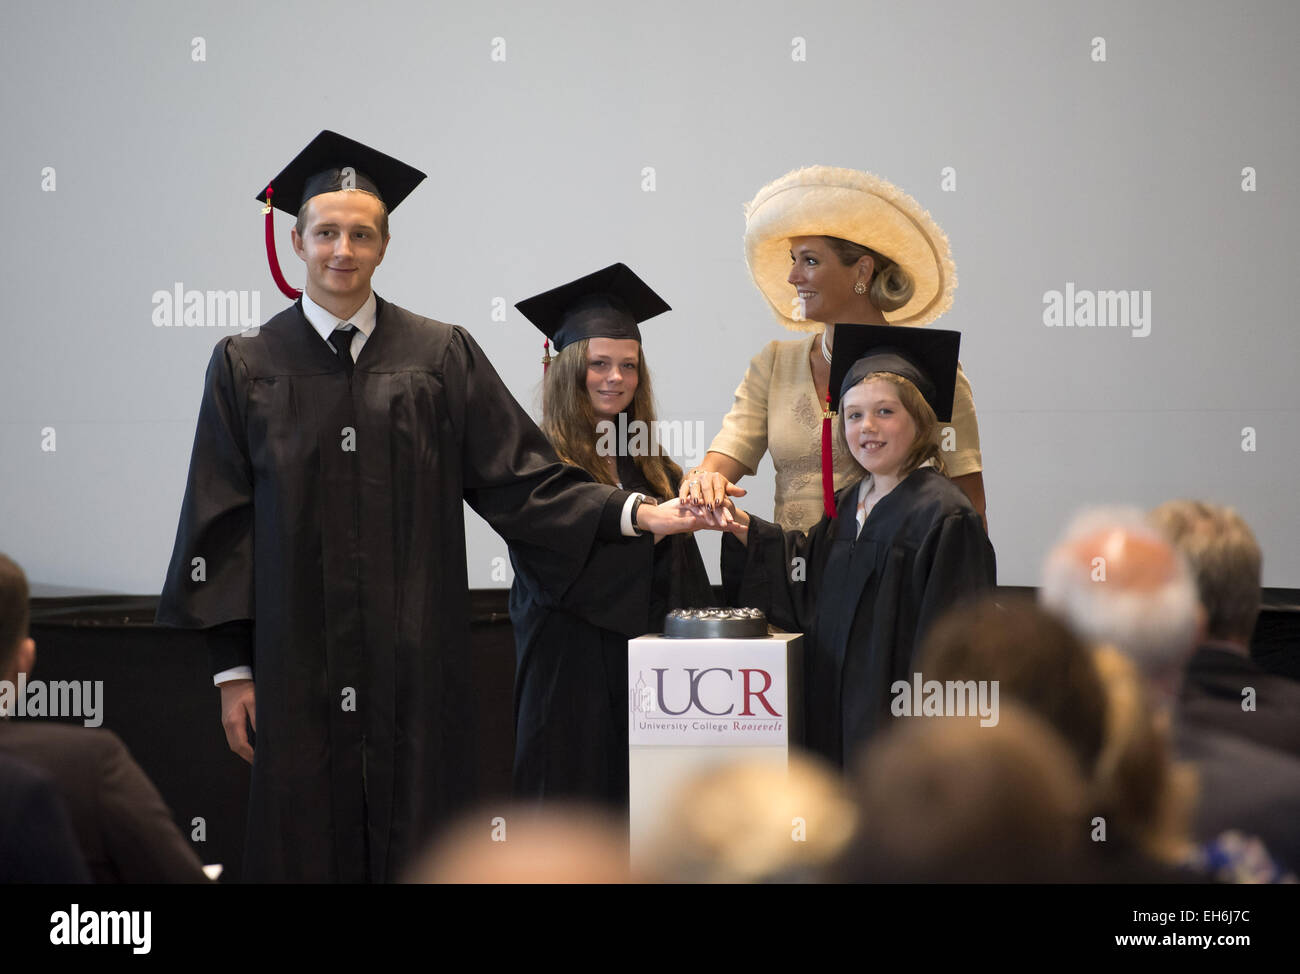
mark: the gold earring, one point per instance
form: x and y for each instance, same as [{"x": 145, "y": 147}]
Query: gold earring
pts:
[{"x": 859, "y": 288}]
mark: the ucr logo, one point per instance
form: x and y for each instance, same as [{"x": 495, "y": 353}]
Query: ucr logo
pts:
[{"x": 694, "y": 679}]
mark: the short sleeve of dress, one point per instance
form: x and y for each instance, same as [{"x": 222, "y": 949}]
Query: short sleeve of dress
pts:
[
  {"x": 966, "y": 457},
  {"x": 744, "y": 429}
]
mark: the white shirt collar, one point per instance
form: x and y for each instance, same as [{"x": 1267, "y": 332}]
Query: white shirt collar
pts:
[
  {"x": 864, "y": 485},
  {"x": 325, "y": 323}
]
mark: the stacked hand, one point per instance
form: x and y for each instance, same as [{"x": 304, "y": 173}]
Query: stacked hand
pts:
[
  {"x": 669, "y": 517},
  {"x": 707, "y": 488},
  {"x": 709, "y": 493}
]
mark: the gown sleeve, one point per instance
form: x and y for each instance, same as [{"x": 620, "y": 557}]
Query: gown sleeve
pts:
[
  {"x": 563, "y": 528},
  {"x": 955, "y": 562},
  {"x": 777, "y": 571},
  {"x": 216, "y": 522}
]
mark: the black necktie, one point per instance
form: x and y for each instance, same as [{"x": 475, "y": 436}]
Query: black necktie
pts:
[{"x": 341, "y": 339}]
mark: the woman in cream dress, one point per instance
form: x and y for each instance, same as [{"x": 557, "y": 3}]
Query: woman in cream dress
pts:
[{"x": 827, "y": 245}]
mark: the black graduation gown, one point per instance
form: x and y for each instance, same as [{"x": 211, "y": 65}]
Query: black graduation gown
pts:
[
  {"x": 864, "y": 604},
  {"x": 329, "y": 511},
  {"x": 571, "y": 696}
]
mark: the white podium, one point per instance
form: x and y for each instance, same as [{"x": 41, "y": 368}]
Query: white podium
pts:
[{"x": 695, "y": 703}]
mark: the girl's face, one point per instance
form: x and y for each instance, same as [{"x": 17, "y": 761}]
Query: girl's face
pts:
[
  {"x": 879, "y": 431},
  {"x": 612, "y": 374}
]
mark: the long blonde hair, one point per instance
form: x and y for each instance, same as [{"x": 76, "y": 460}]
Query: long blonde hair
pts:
[
  {"x": 569, "y": 422},
  {"x": 1138, "y": 784}
]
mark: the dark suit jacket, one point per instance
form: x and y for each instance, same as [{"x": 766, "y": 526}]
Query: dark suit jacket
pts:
[
  {"x": 1211, "y": 700},
  {"x": 37, "y": 844},
  {"x": 1246, "y": 787},
  {"x": 127, "y": 835}
]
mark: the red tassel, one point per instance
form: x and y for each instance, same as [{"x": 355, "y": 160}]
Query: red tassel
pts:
[
  {"x": 828, "y": 470},
  {"x": 546, "y": 356},
  {"x": 292, "y": 293}
]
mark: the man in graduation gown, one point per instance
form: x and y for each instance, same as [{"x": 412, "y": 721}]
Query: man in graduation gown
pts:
[
  {"x": 322, "y": 538},
  {"x": 865, "y": 592}
]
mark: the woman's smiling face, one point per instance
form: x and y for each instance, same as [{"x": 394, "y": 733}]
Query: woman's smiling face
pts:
[
  {"x": 823, "y": 285},
  {"x": 612, "y": 376}
]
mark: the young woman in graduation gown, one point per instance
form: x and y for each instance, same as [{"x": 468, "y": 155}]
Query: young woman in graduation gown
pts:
[
  {"x": 827, "y": 245},
  {"x": 571, "y": 691},
  {"x": 905, "y": 544}
]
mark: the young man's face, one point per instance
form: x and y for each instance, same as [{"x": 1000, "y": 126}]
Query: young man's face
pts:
[{"x": 341, "y": 246}]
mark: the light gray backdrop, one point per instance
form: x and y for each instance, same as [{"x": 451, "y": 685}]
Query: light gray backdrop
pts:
[{"x": 1123, "y": 173}]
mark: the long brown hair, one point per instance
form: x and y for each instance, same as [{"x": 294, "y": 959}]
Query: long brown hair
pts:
[{"x": 569, "y": 422}]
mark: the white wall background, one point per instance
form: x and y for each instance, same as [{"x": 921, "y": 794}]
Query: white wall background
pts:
[{"x": 1122, "y": 174}]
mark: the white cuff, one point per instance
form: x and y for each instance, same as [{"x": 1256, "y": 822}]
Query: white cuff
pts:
[
  {"x": 628, "y": 529},
  {"x": 234, "y": 673}
]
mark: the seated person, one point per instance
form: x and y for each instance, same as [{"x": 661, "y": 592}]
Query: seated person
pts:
[
  {"x": 126, "y": 832},
  {"x": 36, "y": 840},
  {"x": 1224, "y": 690}
]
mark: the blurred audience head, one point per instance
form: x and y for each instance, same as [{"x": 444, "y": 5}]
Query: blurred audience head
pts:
[
  {"x": 945, "y": 799},
  {"x": 1116, "y": 581},
  {"x": 17, "y": 649},
  {"x": 754, "y": 822},
  {"x": 521, "y": 844},
  {"x": 1035, "y": 659},
  {"x": 1225, "y": 559}
]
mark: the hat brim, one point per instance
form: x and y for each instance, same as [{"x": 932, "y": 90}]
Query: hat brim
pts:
[{"x": 856, "y": 206}]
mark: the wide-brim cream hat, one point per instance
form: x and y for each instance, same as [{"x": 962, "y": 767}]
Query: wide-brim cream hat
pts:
[{"x": 856, "y": 206}]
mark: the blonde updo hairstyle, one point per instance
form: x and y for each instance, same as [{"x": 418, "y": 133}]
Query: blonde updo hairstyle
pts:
[
  {"x": 924, "y": 447},
  {"x": 891, "y": 287}
]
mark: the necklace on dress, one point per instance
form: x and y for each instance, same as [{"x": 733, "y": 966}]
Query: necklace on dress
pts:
[{"x": 826, "y": 352}]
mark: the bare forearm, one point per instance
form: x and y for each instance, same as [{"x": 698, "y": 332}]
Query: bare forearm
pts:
[{"x": 729, "y": 467}]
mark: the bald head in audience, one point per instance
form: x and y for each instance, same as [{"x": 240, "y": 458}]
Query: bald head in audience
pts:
[{"x": 1116, "y": 580}]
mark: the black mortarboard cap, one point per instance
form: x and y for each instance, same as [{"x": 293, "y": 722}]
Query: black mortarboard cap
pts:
[
  {"x": 925, "y": 356},
  {"x": 607, "y": 304},
  {"x": 332, "y": 162}
]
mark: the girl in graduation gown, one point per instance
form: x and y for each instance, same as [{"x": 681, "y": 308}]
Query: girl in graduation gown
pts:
[
  {"x": 571, "y": 692},
  {"x": 905, "y": 543}
]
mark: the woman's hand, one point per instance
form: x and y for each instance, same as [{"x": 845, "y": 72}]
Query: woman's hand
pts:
[{"x": 707, "y": 488}]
